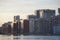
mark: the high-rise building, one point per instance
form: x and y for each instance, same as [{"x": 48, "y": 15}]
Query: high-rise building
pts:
[
  {"x": 31, "y": 25},
  {"x": 59, "y": 10},
  {"x": 17, "y": 25},
  {"x": 25, "y": 26},
  {"x": 17, "y": 18},
  {"x": 42, "y": 26},
  {"x": 56, "y": 25},
  {"x": 36, "y": 26},
  {"x": 56, "y": 30},
  {"x": 1, "y": 30},
  {"x": 17, "y": 28},
  {"x": 31, "y": 19},
  {"x": 38, "y": 13},
  {"x": 45, "y": 13},
  {"x": 7, "y": 28}
]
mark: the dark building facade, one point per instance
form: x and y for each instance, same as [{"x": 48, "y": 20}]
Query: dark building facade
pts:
[
  {"x": 0, "y": 30},
  {"x": 59, "y": 10},
  {"x": 38, "y": 13},
  {"x": 44, "y": 23},
  {"x": 17, "y": 25},
  {"x": 36, "y": 27},
  {"x": 45, "y": 13},
  {"x": 32, "y": 17},
  {"x": 6, "y": 28},
  {"x": 56, "y": 25},
  {"x": 45, "y": 27},
  {"x": 25, "y": 26},
  {"x": 17, "y": 18},
  {"x": 17, "y": 28}
]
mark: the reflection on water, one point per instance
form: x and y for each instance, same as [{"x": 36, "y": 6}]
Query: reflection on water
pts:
[{"x": 31, "y": 37}]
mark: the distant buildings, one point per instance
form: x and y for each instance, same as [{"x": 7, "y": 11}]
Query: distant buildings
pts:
[
  {"x": 31, "y": 19},
  {"x": 45, "y": 13},
  {"x": 0, "y": 30},
  {"x": 59, "y": 10},
  {"x": 17, "y": 28},
  {"x": 6, "y": 28},
  {"x": 25, "y": 26},
  {"x": 36, "y": 26},
  {"x": 46, "y": 27},
  {"x": 40, "y": 23},
  {"x": 43, "y": 23},
  {"x": 17, "y": 25},
  {"x": 42, "y": 27},
  {"x": 56, "y": 26},
  {"x": 17, "y": 18},
  {"x": 37, "y": 13},
  {"x": 56, "y": 30}
]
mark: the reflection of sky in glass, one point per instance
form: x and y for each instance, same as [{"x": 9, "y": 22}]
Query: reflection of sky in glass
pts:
[
  {"x": 41, "y": 13},
  {"x": 9, "y": 8}
]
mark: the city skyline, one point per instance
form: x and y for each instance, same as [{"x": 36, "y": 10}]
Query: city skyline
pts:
[
  {"x": 10, "y": 8},
  {"x": 46, "y": 24}
]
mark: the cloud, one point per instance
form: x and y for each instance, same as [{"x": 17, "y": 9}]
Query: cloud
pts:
[{"x": 22, "y": 7}]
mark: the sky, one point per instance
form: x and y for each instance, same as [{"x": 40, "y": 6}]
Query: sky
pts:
[{"x": 10, "y": 8}]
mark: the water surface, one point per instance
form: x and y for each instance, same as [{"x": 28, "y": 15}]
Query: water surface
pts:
[{"x": 29, "y": 37}]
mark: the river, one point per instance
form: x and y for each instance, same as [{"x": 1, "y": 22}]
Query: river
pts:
[{"x": 28, "y": 37}]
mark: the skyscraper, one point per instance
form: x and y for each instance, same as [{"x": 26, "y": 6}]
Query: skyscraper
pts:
[
  {"x": 56, "y": 25},
  {"x": 59, "y": 11},
  {"x": 31, "y": 23},
  {"x": 38, "y": 13},
  {"x": 31, "y": 17},
  {"x": 17, "y": 25},
  {"x": 25, "y": 26},
  {"x": 45, "y": 13},
  {"x": 36, "y": 27},
  {"x": 7, "y": 28},
  {"x": 17, "y": 18}
]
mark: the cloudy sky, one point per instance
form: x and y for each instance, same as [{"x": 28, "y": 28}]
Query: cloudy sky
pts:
[{"x": 9, "y": 8}]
